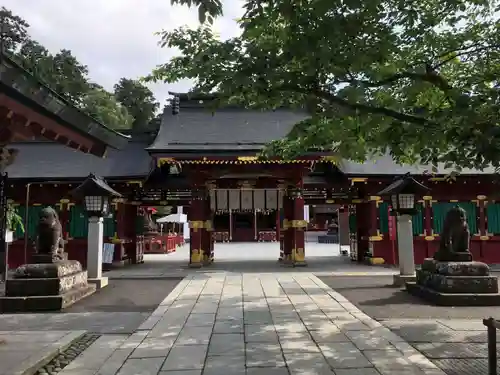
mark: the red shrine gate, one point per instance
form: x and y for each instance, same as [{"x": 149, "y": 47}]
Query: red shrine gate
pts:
[{"x": 206, "y": 202}]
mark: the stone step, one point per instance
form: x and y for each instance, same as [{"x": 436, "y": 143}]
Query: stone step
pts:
[
  {"x": 453, "y": 299},
  {"x": 45, "y": 303}
]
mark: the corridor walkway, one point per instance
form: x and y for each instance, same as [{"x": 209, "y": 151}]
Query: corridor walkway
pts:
[{"x": 255, "y": 324}]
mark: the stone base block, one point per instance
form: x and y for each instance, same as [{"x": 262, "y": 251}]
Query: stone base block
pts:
[
  {"x": 48, "y": 270},
  {"x": 457, "y": 284},
  {"x": 44, "y": 303},
  {"x": 45, "y": 286},
  {"x": 99, "y": 283},
  {"x": 456, "y": 268},
  {"x": 401, "y": 280},
  {"x": 195, "y": 265},
  {"x": 453, "y": 299},
  {"x": 301, "y": 263}
]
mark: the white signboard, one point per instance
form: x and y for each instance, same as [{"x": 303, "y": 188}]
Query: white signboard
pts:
[{"x": 306, "y": 212}]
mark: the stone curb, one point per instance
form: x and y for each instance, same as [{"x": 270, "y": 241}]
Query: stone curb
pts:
[{"x": 47, "y": 354}]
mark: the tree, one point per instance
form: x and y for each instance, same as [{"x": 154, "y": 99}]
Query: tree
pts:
[
  {"x": 139, "y": 101},
  {"x": 103, "y": 106},
  {"x": 418, "y": 78},
  {"x": 207, "y": 9},
  {"x": 36, "y": 59},
  {"x": 13, "y": 30},
  {"x": 69, "y": 77}
]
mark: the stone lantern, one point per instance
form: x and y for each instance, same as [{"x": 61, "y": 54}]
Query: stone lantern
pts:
[
  {"x": 95, "y": 194},
  {"x": 402, "y": 194}
]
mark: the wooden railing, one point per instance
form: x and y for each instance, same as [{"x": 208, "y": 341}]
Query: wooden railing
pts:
[{"x": 492, "y": 325}]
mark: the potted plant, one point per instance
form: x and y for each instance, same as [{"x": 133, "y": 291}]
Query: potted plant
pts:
[{"x": 13, "y": 222}]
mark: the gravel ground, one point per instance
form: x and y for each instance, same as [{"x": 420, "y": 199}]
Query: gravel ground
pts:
[
  {"x": 374, "y": 296},
  {"x": 127, "y": 296}
]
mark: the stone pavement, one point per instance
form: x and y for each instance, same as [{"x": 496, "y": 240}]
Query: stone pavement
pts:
[
  {"x": 276, "y": 324},
  {"x": 458, "y": 346},
  {"x": 22, "y": 351},
  {"x": 322, "y": 259}
]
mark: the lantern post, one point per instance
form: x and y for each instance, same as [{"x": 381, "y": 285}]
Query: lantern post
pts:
[
  {"x": 96, "y": 195},
  {"x": 402, "y": 194}
]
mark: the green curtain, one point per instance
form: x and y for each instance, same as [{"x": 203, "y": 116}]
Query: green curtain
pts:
[
  {"x": 418, "y": 220},
  {"x": 383, "y": 215},
  {"x": 78, "y": 222},
  {"x": 353, "y": 226},
  {"x": 32, "y": 223},
  {"x": 139, "y": 225},
  {"x": 493, "y": 217},
  {"x": 21, "y": 212},
  {"x": 441, "y": 209}
]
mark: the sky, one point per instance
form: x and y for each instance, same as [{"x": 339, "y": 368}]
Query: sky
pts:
[{"x": 115, "y": 38}]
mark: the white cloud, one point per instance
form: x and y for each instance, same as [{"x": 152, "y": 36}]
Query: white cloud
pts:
[{"x": 115, "y": 38}]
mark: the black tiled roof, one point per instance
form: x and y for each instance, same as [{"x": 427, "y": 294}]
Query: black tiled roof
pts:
[
  {"x": 227, "y": 129},
  {"x": 22, "y": 85},
  {"x": 52, "y": 161}
]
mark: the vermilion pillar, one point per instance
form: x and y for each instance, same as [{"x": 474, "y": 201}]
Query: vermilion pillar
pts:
[
  {"x": 287, "y": 227},
  {"x": 207, "y": 233},
  {"x": 196, "y": 218},
  {"x": 299, "y": 225}
]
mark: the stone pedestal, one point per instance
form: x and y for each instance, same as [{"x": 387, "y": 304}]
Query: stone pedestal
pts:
[
  {"x": 405, "y": 251},
  {"x": 95, "y": 243},
  {"x": 45, "y": 287},
  {"x": 456, "y": 283}
]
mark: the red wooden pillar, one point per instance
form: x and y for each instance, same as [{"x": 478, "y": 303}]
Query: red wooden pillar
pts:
[
  {"x": 134, "y": 247},
  {"x": 299, "y": 225},
  {"x": 121, "y": 238},
  {"x": 196, "y": 226},
  {"x": 278, "y": 224},
  {"x": 207, "y": 233},
  {"x": 287, "y": 227}
]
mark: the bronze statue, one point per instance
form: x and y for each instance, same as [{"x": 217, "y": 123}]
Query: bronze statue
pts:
[
  {"x": 49, "y": 235},
  {"x": 455, "y": 237}
]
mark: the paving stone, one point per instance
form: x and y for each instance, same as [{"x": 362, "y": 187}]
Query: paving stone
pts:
[
  {"x": 267, "y": 371},
  {"x": 154, "y": 347},
  {"x": 351, "y": 325},
  {"x": 261, "y": 333},
  {"x": 199, "y": 320},
  {"x": 227, "y": 365},
  {"x": 257, "y": 317},
  {"x": 331, "y": 334},
  {"x": 190, "y": 357},
  {"x": 115, "y": 362},
  {"x": 234, "y": 326},
  {"x": 344, "y": 355},
  {"x": 365, "y": 340},
  {"x": 226, "y": 344},
  {"x": 321, "y": 325},
  {"x": 297, "y": 336},
  {"x": 388, "y": 358},
  {"x": 194, "y": 336},
  {"x": 147, "y": 366},
  {"x": 357, "y": 371},
  {"x": 305, "y": 346},
  {"x": 231, "y": 313},
  {"x": 307, "y": 363},
  {"x": 205, "y": 308},
  {"x": 264, "y": 355},
  {"x": 175, "y": 372}
]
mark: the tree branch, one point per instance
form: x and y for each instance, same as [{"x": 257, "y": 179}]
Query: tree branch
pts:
[{"x": 359, "y": 107}]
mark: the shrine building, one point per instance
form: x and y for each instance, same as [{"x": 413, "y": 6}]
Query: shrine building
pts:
[{"x": 206, "y": 162}]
